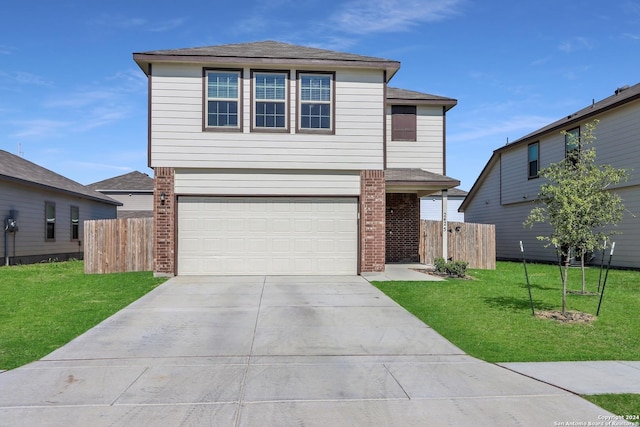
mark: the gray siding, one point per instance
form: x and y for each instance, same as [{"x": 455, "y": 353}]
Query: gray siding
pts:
[
  {"x": 247, "y": 182},
  {"x": 29, "y": 241},
  {"x": 425, "y": 153},
  {"x": 132, "y": 201},
  {"x": 506, "y": 196},
  {"x": 178, "y": 140},
  {"x": 431, "y": 209}
]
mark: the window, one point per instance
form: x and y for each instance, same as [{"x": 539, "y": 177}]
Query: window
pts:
[
  {"x": 75, "y": 223},
  {"x": 270, "y": 100},
  {"x": 222, "y": 99},
  {"x": 316, "y": 98},
  {"x": 572, "y": 144},
  {"x": 50, "y": 220},
  {"x": 403, "y": 123},
  {"x": 534, "y": 159}
]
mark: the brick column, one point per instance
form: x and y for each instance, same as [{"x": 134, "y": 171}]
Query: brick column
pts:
[
  {"x": 372, "y": 220},
  {"x": 164, "y": 227}
]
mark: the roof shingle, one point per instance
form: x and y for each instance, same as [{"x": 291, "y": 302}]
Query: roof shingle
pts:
[
  {"x": 15, "y": 168},
  {"x": 132, "y": 181}
]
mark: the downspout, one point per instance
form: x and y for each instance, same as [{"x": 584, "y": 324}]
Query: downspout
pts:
[{"x": 444, "y": 140}]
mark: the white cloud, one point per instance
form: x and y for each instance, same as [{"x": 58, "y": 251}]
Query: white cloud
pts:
[
  {"x": 512, "y": 128},
  {"x": 574, "y": 44},
  {"x": 39, "y": 128},
  {"x": 631, "y": 36},
  {"x": 375, "y": 16},
  {"x": 143, "y": 24}
]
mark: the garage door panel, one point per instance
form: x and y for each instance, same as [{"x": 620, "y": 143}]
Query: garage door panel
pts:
[{"x": 260, "y": 235}]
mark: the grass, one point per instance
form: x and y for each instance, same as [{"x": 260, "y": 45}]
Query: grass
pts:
[
  {"x": 44, "y": 306},
  {"x": 489, "y": 317}
]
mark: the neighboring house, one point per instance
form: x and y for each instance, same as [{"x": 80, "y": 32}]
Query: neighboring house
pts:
[
  {"x": 48, "y": 210},
  {"x": 134, "y": 190},
  {"x": 272, "y": 158},
  {"x": 431, "y": 206},
  {"x": 507, "y": 187}
]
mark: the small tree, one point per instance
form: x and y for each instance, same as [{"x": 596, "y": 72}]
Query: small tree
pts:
[{"x": 577, "y": 202}]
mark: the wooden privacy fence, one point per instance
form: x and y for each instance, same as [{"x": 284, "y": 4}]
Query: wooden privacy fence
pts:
[
  {"x": 118, "y": 245},
  {"x": 473, "y": 243}
]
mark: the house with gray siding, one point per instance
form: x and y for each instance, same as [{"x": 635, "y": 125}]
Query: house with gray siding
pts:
[
  {"x": 431, "y": 206},
  {"x": 506, "y": 190},
  {"x": 42, "y": 212},
  {"x": 134, "y": 190},
  {"x": 273, "y": 158}
]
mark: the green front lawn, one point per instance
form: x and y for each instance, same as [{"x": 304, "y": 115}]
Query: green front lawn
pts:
[
  {"x": 489, "y": 317},
  {"x": 44, "y": 306}
]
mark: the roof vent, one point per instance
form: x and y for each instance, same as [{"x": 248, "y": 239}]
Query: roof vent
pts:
[{"x": 622, "y": 89}]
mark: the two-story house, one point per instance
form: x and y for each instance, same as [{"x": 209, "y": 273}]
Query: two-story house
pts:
[
  {"x": 506, "y": 190},
  {"x": 272, "y": 158}
]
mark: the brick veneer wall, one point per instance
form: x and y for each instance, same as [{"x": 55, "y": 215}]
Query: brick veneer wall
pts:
[
  {"x": 403, "y": 228},
  {"x": 372, "y": 220},
  {"x": 164, "y": 227}
]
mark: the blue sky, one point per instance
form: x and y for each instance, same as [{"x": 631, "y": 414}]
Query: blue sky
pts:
[{"x": 73, "y": 100}]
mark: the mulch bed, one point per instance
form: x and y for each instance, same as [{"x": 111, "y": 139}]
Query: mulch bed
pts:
[{"x": 567, "y": 317}]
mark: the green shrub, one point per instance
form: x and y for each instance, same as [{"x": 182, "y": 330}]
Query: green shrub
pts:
[
  {"x": 440, "y": 265},
  {"x": 453, "y": 268}
]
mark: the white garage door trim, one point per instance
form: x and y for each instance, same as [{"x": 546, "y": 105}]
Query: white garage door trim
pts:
[{"x": 267, "y": 235}]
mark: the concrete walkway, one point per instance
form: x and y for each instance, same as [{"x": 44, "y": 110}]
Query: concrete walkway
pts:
[{"x": 274, "y": 351}]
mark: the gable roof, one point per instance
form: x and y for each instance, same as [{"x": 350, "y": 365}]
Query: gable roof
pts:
[
  {"x": 620, "y": 97},
  {"x": 17, "y": 169},
  {"x": 132, "y": 181},
  {"x": 404, "y": 96},
  {"x": 264, "y": 52}
]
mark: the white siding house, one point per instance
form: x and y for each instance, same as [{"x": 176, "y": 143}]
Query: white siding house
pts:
[
  {"x": 271, "y": 158},
  {"x": 506, "y": 190},
  {"x": 431, "y": 206},
  {"x": 49, "y": 211}
]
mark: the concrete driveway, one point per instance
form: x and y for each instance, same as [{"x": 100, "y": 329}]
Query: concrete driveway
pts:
[{"x": 274, "y": 351}]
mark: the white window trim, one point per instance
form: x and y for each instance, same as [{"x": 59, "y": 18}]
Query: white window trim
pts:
[
  {"x": 330, "y": 103},
  {"x": 255, "y": 100},
  {"x": 238, "y": 100}
]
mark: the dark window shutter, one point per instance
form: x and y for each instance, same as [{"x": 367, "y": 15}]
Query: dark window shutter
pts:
[{"x": 403, "y": 123}]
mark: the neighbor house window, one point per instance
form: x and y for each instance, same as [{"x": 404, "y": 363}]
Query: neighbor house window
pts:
[
  {"x": 403, "y": 123},
  {"x": 316, "y": 102},
  {"x": 270, "y": 100},
  {"x": 50, "y": 220},
  {"x": 534, "y": 159},
  {"x": 75, "y": 223},
  {"x": 572, "y": 144},
  {"x": 222, "y": 99}
]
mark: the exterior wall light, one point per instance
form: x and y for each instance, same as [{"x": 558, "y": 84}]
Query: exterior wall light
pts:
[{"x": 163, "y": 197}]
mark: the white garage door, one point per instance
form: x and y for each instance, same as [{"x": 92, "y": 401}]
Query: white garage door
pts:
[{"x": 267, "y": 235}]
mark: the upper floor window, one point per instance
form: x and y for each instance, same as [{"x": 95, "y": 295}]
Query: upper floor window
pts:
[
  {"x": 50, "y": 220},
  {"x": 403, "y": 123},
  {"x": 223, "y": 99},
  {"x": 75, "y": 223},
  {"x": 270, "y": 100},
  {"x": 533, "y": 160},
  {"x": 316, "y": 102},
  {"x": 572, "y": 144}
]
